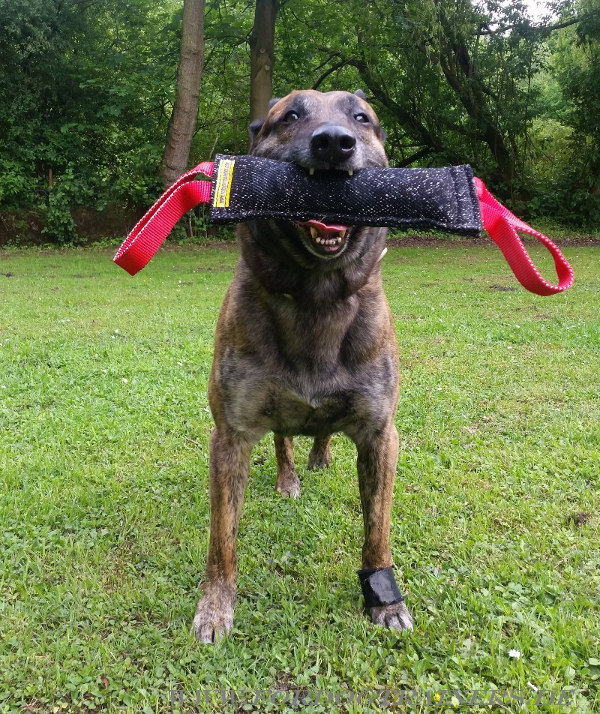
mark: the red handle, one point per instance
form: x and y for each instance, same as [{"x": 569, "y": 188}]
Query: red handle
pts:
[
  {"x": 151, "y": 230},
  {"x": 501, "y": 224},
  {"x": 155, "y": 225}
]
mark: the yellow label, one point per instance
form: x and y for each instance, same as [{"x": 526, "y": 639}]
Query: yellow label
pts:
[{"x": 223, "y": 186}]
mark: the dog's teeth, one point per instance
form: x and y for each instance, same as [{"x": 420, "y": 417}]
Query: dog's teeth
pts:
[
  {"x": 311, "y": 172},
  {"x": 350, "y": 172},
  {"x": 314, "y": 233},
  {"x": 342, "y": 235}
]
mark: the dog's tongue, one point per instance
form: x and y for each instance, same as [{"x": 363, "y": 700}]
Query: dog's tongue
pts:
[{"x": 324, "y": 230}]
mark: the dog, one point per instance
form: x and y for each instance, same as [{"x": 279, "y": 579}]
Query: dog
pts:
[{"x": 305, "y": 344}]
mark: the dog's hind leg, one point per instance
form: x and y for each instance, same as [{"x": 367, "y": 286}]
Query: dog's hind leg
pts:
[
  {"x": 229, "y": 467},
  {"x": 320, "y": 454},
  {"x": 288, "y": 483},
  {"x": 376, "y": 463}
]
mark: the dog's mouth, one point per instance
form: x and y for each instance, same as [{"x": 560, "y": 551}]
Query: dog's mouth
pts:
[{"x": 323, "y": 240}]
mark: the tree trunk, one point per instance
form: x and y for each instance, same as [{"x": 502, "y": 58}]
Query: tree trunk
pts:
[
  {"x": 262, "y": 57},
  {"x": 185, "y": 110}
]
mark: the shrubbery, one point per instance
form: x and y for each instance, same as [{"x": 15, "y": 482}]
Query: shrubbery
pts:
[{"x": 87, "y": 94}]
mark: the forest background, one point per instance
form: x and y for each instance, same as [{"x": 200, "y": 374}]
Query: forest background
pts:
[{"x": 88, "y": 87}]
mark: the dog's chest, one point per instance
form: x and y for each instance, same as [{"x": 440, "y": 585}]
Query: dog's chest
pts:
[
  {"x": 307, "y": 369},
  {"x": 301, "y": 401},
  {"x": 274, "y": 405}
]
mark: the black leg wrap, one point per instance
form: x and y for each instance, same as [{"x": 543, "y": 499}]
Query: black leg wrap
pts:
[{"x": 379, "y": 587}]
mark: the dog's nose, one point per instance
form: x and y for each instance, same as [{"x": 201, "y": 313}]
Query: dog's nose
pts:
[{"x": 332, "y": 143}]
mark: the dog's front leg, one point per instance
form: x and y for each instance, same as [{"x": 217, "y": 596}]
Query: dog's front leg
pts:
[
  {"x": 229, "y": 467},
  {"x": 288, "y": 483},
  {"x": 376, "y": 464}
]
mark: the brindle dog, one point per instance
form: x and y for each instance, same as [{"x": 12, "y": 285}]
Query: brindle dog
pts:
[{"x": 305, "y": 344}]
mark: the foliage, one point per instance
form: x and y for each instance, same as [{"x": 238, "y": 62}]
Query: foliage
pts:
[
  {"x": 88, "y": 88},
  {"x": 224, "y": 101},
  {"x": 577, "y": 62},
  {"x": 60, "y": 226},
  {"x": 84, "y": 88},
  {"x": 452, "y": 85}
]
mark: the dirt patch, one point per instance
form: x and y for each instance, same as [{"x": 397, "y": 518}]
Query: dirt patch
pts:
[
  {"x": 92, "y": 224},
  {"x": 433, "y": 241},
  {"x": 24, "y": 228},
  {"x": 446, "y": 241},
  {"x": 579, "y": 519}
]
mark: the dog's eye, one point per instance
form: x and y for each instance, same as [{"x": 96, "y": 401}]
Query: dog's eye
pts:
[
  {"x": 290, "y": 117},
  {"x": 362, "y": 118}
]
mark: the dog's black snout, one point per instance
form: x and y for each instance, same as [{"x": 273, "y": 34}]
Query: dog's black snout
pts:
[{"x": 332, "y": 143}]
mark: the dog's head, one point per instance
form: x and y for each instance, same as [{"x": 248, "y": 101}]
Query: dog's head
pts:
[{"x": 331, "y": 131}]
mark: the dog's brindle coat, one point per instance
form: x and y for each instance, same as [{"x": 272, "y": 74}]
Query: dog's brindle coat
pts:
[{"x": 305, "y": 344}]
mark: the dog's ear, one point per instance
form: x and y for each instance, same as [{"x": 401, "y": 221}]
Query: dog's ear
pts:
[
  {"x": 255, "y": 127},
  {"x": 383, "y": 134},
  {"x": 257, "y": 124}
]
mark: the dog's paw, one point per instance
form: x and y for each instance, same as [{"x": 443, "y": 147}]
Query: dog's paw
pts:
[
  {"x": 315, "y": 463},
  {"x": 318, "y": 460},
  {"x": 320, "y": 454},
  {"x": 288, "y": 484},
  {"x": 395, "y": 617},
  {"x": 211, "y": 621}
]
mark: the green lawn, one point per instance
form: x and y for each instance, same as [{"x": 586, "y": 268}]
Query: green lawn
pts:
[{"x": 104, "y": 507}]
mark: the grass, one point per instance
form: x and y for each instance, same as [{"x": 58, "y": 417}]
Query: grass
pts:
[{"x": 104, "y": 507}]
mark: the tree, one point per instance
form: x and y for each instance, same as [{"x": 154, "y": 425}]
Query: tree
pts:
[
  {"x": 83, "y": 89},
  {"x": 185, "y": 109},
  {"x": 87, "y": 92},
  {"x": 262, "y": 57},
  {"x": 451, "y": 79},
  {"x": 571, "y": 183}
]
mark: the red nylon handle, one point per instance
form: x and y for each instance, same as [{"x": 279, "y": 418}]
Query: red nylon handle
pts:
[
  {"x": 151, "y": 230},
  {"x": 501, "y": 224},
  {"x": 155, "y": 225}
]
